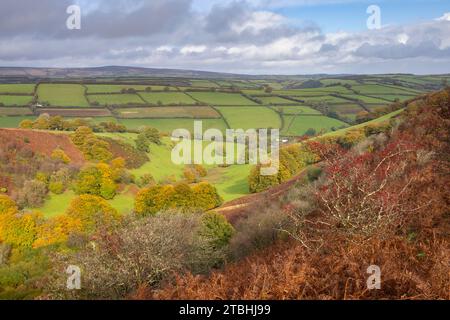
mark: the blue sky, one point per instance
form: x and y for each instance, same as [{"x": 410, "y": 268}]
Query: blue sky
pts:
[
  {"x": 241, "y": 36},
  {"x": 351, "y": 15}
]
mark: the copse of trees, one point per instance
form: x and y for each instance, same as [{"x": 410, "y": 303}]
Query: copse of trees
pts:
[
  {"x": 147, "y": 136},
  {"x": 92, "y": 147},
  {"x": 292, "y": 159},
  {"x": 58, "y": 123},
  {"x": 101, "y": 179},
  {"x": 154, "y": 199}
]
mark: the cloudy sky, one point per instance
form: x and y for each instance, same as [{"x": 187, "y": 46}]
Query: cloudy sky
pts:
[{"x": 239, "y": 36}]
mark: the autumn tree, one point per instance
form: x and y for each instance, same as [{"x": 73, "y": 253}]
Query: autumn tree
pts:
[
  {"x": 93, "y": 212},
  {"x": 57, "y": 230},
  {"x": 19, "y": 229},
  {"x": 96, "y": 180},
  {"x": 92, "y": 147}
]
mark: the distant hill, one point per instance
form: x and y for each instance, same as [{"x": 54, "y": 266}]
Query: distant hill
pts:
[{"x": 121, "y": 71}]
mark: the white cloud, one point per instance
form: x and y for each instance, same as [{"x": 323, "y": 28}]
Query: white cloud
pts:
[
  {"x": 259, "y": 21},
  {"x": 193, "y": 49},
  {"x": 164, "y": 49},
  {"x": 445, "y": 17},
  {"x": 402, "y": 38}
]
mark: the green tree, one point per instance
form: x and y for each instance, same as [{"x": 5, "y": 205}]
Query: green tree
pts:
[{"x": 216, "y": 229}]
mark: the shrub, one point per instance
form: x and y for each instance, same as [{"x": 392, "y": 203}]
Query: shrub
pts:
[
  {"x": 313, "y": 173},
  {"x": 60, "y": 155},
  {"x": 146, "y": 180},
  {"x": 215, "y": 227},
  {"x": 32, "y": 194},
  {"x": 6, "y": 203},
  {"x": 108, "y": 189},
  {"x": 57, "y": 187},
  {"x": 206, "y": 196},
  {"x": 142, "y": 253}
]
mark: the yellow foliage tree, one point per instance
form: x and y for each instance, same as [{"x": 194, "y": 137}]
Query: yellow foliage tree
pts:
[
  {"x": 19, "y": 229},
  {"x": 93, "y": 212},
  {"x": 56, "y": 230}
]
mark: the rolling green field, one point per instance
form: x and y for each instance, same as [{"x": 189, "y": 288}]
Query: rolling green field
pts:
[
  {"x": 26, "y": 88},
  {"x": 250, "y": 117},
  {"x": 366, "y": 99},
  {"x": 169, "y": 112},
  {"x": 62, "y": 95},
  {"x": 275, "y": 100},
  {"x": 13, "y": 122},
  {"x": 222, "y": 99},
  {"x": 57, "y": 204},
  {"x": 383, "y": 89},
  {"x": 230, "y": 182},
  {"x": 15, "y": 100},
  {"x": 15, "y": 111},
  {"x": 116, "y": 88},
  {"x": 167, "y": 98},
  {"x": 115, "y": 99},
  {"x": 393, "y": 97},
  {"x": 296, "y": 110},
  {"x": 298, "y": 125},
  {"x": 168, "y": 125},
  {"x": 325, "y": 98},
  {"x": 203, "y": 84}
]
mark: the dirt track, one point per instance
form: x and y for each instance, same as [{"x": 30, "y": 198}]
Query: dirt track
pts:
[{"x": 242, "y": 207}]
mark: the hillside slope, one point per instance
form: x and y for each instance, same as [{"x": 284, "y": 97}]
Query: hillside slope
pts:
[{"x": 43, "y": 142}]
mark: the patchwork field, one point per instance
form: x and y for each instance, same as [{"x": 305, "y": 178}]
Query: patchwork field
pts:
[
  {"x": 15, "y": 111},
  {"x": 366, "y": 99},
  {"x": 298, "y": 125},
  {"x": 383, "y": 89},
  {"x": 13, "y": 122},
  {"x": 26, "y": 88},
  {"x": 275, "y": 100},
  {"x": 296, "y": 110},
  {"x": 169, "y": 112},
  {"x": 222, "y": 99},
  {"x": 167, "y": 98},
  {"x": 81, "y": 113},
  {"x": 174, "y": 107},
  {"x": 115, "y": 99},
  {"x": 169, "y": 125},
  {"x": 62, "y": 95},
  {"x": 116, "y": 88},
  {"x": 10, "y": 100},
  {"x": 250, "y": 117}
]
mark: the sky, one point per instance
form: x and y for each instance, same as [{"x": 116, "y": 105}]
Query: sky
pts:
[{"x": 237, "y": 36}]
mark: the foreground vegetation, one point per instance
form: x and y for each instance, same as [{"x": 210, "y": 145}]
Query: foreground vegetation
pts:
[{"x": 103, "y": 194}]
